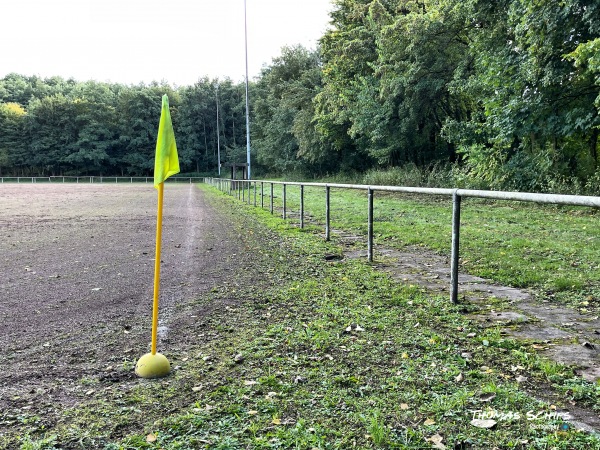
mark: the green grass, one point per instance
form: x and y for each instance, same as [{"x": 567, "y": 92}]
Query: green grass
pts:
[{"x": 311, "y": 379}]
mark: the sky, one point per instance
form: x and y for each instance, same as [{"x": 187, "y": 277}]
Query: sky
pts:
[{"x": 133, "y": 41}]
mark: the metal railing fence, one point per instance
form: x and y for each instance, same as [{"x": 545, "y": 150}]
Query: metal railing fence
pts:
[
  {"x": 96, "y": 179},
  {"x": 238, "y": 188}
]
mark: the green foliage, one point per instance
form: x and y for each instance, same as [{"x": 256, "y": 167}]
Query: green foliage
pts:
[
  {"x": 57, "y": 127},
  {"x": 507, "y": 91},
  {"x": 285, "y": 139}
]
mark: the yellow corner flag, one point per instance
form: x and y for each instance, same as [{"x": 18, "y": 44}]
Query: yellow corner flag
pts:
[
  {"x": 154, "y": 364},
  {"x": 166, "y": 162}
]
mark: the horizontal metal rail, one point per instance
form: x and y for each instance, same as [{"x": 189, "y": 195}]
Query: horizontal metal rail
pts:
[{"x": 225, "y": 184}]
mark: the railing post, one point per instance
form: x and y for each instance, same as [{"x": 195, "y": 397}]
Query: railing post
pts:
[
  {"x": 284, "y": 201},
  {"x": 271, "y": 198},
  {"x": 243, "y": 191},
  {"x": 301, "y": 206},
  {"x": 370, "y": 226},
  {"x": 455, "y": 247},
  {"x": 249, "y": 190},
  {"x": 255, "y": 194},
  {"x": 327, "y": 213},
  {"x": 262, "y": 195}
]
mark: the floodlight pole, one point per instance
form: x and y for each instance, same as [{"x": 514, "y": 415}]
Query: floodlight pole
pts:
[
  {"x": 247, "y": 101},
  {"x": 218, "y": 132}
]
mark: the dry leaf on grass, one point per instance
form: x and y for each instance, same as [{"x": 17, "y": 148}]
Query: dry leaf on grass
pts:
[
  {"x": 151, "y": 438},
  {"x": 429, "y": 422},
  {"x": 436, "y": 440},
  {"x": 481, "y": 423},
  {"x": 488, "y": 397}
]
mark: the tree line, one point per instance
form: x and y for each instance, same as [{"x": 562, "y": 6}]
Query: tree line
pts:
[
  {"x": 63, "y": 127},
  {"x": 504, "y": 94}
]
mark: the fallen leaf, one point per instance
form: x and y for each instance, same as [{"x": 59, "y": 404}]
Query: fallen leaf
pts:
[
  {"x": 429, "y": 422},
  {"x": 487, "y": 397},
  {"x": 252, "y": 412},
  {"x": 197, "y": 388},
  {"x": 521, "y": 379},
  {"x": 471, "y": 335},
  {"x": 151, "y": 438},
  {"x": 459, "y": 377},
  {"x": 436, "y": 440},
  {"x": 404, "y": 406},
  {"x": 404, "y": 355},
  {"x": 276, "y": 421},
  {"x": 481, "y": 423},
  {"x": 250, "y": 382}
]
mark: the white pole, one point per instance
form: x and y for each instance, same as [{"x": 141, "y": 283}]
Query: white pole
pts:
[
  {"x": 247, "y": 101},
  {"x": 218, "y": 133}
]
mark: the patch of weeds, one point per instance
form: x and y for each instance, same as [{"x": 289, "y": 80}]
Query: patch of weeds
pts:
[
  {"x": 377, "y": 431},
  {"x": 26, "y": 443},
  {"x": 552, "y": 370},
  {"x": 581, "y": 390}
]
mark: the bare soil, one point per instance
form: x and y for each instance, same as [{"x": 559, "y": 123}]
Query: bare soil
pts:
[{"x": 76, "y": 284}]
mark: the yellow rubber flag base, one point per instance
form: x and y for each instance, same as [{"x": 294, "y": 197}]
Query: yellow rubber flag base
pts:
[{"x": 152, "y": 366}]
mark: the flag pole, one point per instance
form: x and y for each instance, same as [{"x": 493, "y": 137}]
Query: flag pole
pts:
[
  {"x": 161, "y": 190},
  {"x": 154, "y": 364},
  {"x": 166, "y": 163}
]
